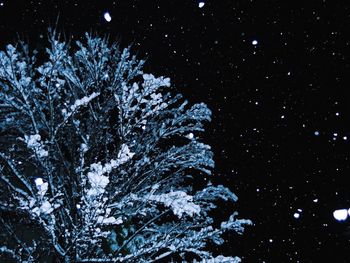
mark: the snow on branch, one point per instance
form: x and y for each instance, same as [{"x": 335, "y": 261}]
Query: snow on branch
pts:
[
  {"x": 179, "y": 202},
  {"x": 78, "y": 103},
  {"x": 97, "y": 175},
  {"x": 34, "y": 142}
]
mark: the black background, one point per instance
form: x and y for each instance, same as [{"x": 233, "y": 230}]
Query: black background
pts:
[{"x": 299, "y": 70}]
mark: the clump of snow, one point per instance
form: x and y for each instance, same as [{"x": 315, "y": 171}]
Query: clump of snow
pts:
[
  {"x": 109, "y": 220},
  {"x": 190, "y": 136},
  {"x": 84, "y": 148},
  {"x": 38, "y": 181},
  {"x": 179, "y": 202},
  {"x": 97, "y": 178},
  {"x": 34, "y": 143},
  {"x": 222, "y": 259},
  {"x": 156, "y": 98},
  {"x": 83, "y": 101},
  {"x": 78, "y": 103},
  {"x": 31, "y": 202},
  {"x": 33, "y": 140},
  {"x": 45, "y": 208},
  {"x": 124, "y": 154},
  {"x": 43, "y": 188}
]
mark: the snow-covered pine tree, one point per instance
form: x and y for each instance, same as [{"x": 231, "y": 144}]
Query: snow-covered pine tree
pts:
[{"x": 97, "y": 160}]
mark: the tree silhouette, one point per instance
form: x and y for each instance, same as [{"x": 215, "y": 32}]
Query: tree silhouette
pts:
[{"x": 100, "y": 162}]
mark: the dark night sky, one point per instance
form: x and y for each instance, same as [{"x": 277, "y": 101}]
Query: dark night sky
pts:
[{"x": 269, "y": 100}]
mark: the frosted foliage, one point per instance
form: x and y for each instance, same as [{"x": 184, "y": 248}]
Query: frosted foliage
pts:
[
  {"x": 155, "y": 83},
  {"x": 103, "y": 162},
  {"x": 222, "y": 259},
  {"x": 179, "y": 202}
]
